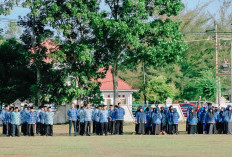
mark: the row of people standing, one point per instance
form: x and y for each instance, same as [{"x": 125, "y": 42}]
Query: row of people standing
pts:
[
  {"x": 12, "y": 118},
  {"x": 100, "y": 119},
  {"x": 209, "y": 120},
  {"x": 156, "y": 120}
]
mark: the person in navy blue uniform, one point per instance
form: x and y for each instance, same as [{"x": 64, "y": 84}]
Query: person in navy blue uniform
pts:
[
  {"x": 31, "y": 122},
  {"x": 15, "y": 122},
  {"x": 120, "y": 113},
  {"x": 111, "y": 122},
  {"x": 137, "y": 124},
  {"x": 88, "y": 113},
  {"x": 228, "y": 120},
  {"x": 38, "y": 121},
  {"x": 72, "y": 114},
  {"x": 148, "y": 125},
  {"x": 95, "y": 112},
  {"x": 176, "y": 117},
  {"x": 192, "y": 121},
  {"x": 10, "y": 122},
  {"x": 104, "y": 119},
  {"x": 210, "y": 120},
  {"x": 5, "y": 119},
  {"x": 156, "y": 121},
  {"x": 141, "y": 121},
  {"x": 220, "y": 121},
  {"x": 163, "y": 121},
  {"x": 24, "y": 119}
]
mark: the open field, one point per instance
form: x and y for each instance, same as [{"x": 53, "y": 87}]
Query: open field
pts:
[{"x": 127, "y": 145}]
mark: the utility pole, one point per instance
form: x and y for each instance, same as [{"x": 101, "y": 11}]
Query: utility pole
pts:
[
  {"x": 231, "y": 70},
  {"x": 216, "y": 60},
  {"x": 144, "y": 84}
]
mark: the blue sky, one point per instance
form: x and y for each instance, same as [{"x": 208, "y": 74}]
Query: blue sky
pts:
[{"x": 190, "y": 4}]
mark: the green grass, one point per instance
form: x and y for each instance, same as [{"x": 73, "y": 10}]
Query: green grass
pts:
[{"x": 120, "y": 146}]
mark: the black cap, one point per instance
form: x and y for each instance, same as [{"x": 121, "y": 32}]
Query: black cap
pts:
[{"x": 31, "y": 107}]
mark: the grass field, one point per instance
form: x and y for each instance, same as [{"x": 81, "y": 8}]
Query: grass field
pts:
[{"x": 61, "y": 144}]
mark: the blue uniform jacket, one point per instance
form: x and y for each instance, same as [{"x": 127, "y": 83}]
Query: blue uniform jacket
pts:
[
  {"x": 31, "y": 117},
  {"x": 96, "y": 116},
  {"x": 72, "y": 114},
  {"x": 81, "y": 114},
  {"x": 148, "y": 118},
  {"x": 120, "y": 112},
  {"x": 208, "y": 120},
  {"x": 176, "y": 116},
  {"x": 193, "y": 120},
  {"x": 15, "y": 118},
  {"x": 5, "y": 116},
  {"x": 104, "y": 116},
  {"x": 49, "y": 117},
  {"x": 141, "y": 117},
  {"x": 88, "y": 115},
  {"x": 23, "y": 114}
]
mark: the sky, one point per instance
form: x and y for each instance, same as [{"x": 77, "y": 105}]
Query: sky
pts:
[{"x": 189, "y": 4}]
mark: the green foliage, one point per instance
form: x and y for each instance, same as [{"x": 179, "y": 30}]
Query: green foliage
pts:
[
  {"x": 7, "y": 6},
  {"x": 158, "y": 90},
  {"x": 15, "y": 76}
]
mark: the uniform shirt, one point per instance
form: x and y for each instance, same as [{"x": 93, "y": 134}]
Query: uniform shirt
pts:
[
  {"x": 31, "y": 117},
  {"x": 38, "y": 120},
  {"x": 15, "y": 118},
  {"x": 96, "y": 115},
  {"x": 49, "y": 116},
  {"x": 9, "y": 120},
  {"x": 156, "y": 118},
  {"x": 88, "y": 115},
  {"x": 5, "y": 116},
  {"x": 120, "y": 112},
  {"x": 72, "y": 114},
  {"x": 140, "y": 117},
  {"x": 103, "y": 116},
  {"x": 81, "y": 114},
  {"x": 42, "y": 117},
  {"x": 23, "y": 114}
]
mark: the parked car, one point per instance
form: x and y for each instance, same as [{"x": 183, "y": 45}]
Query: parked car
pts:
[{"x": 185, "y": 106}]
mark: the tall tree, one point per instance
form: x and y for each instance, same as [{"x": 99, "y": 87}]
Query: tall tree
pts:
[
  {"x": 15, "y": 74},
  {"x": 134, "y": 30}
]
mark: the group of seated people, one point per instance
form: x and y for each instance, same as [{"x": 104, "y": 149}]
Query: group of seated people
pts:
[{"x": 206, "y": 119}]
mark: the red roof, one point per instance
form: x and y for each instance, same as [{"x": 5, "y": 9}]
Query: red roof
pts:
[{"x": 107, "y": 82}]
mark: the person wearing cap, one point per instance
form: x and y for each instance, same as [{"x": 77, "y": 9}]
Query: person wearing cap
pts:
[
  {"x": 104, "y": 119},
  {"x": 72, "y": 114},
  {"x": 10, "y": 122},
  {"x": 31, "y": 122},
  {"x": 5, "y": 119},
  {"x": 24, "y": 119},
  {"x": 49, "y": 117},
  {"x": 38, "y": 121},
  {"x": 82, "y": 121},
  {"x": 120, "y": 113},
  {"x": 78, "y": 119},
  {"x": 95, "y": 117},
  {"x": 140, "y": 121},
  {"x": 42, "y": 120},
  {"x": 15, "y": 121},
  {"x": 111, "y": 122},
  {"x": 88, "y": 113}
]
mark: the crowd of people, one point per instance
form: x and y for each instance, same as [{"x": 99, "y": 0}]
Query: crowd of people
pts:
[
  {"x": 101, "y": 120},
  {"x": 42, "y": 119},
  {"x": 206, "y": 119}
]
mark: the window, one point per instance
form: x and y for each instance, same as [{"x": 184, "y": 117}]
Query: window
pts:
[
  {"x": 108, "y": 101},
  {"x": 123, "y": 101}
]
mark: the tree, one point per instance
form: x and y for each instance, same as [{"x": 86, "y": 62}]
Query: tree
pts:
[
  {"x": 130, "y": 31},
  {"x": 158, "y": 90},
  {"x": 7, "y": 6},
  {"x": 13, "y": 30},
  {"x": 15, "y": 75}
]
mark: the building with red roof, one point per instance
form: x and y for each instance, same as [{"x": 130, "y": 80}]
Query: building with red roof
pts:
[{"x": 125, "y": 91}]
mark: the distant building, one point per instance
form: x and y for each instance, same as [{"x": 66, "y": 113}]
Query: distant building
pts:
[{"x": 125, "y": 91}]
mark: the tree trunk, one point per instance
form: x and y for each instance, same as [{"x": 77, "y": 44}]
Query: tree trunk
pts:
[
  {"x": 115, "y": 82},
  {"x": 38, "y": 94}
]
